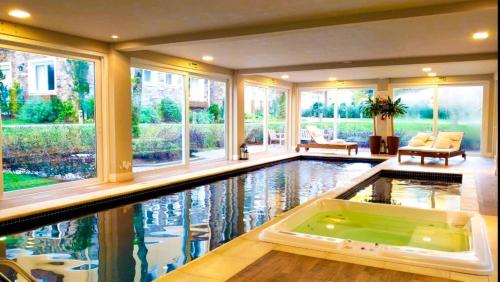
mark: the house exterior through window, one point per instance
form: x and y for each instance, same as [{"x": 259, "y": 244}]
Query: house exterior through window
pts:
[
  {"x": 41, "y": 75},
  {"x": 6, "y": 69}
]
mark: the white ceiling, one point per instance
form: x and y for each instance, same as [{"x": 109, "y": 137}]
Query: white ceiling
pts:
[
  {"x": 408, "y": 37},
  {"x": 441, "y": 69},
  {"x": 133, "y": 19},
  {"x": 443, "y": 34}
]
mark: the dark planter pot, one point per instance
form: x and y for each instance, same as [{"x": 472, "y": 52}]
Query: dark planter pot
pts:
[
  {"x": 392, "y": 145},
  {"x": 375, "y": 142}
]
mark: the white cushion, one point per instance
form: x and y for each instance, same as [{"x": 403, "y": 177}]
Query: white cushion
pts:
[
  {"x": 337, "y": 141},
  {"x": 442, "y": 142},
  {"x": 422, "y": 136},
  {"x": 415, "y": 142},
  {"x": 455, "y": 137}
]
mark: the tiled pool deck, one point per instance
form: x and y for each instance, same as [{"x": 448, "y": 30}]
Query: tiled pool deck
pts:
[{"x": 229, "y": 259}]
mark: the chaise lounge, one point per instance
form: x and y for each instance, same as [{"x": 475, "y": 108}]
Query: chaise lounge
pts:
[
  {"x": 444, "y": 145},
  {"x": 319, "y": 142}
]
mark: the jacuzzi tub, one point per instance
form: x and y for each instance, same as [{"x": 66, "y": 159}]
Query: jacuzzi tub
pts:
[{"x": 449, "y": 240}]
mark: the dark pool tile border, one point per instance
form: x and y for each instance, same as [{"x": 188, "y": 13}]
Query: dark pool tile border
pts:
[
  {"x": 405, "y": 174},
  {"x": 29, "y": 222}
]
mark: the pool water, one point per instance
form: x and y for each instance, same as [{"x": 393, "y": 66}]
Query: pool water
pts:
[
  {"x": 411, "y": 192},
  {"x": 141, "y": 241},
  {"x": 396, "y": 231}
]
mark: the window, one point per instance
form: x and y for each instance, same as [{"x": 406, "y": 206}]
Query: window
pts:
[
  {"x": 442, "y": 108},
  {"x": 48, "y": 140},
  {"x": 337, "y": 112},
  {"x": 352, "y": 125},
  {"x": 199, "y": 90},
  {"x": 255, "y": 101},
  {"x": 42, "y": 75},
  {"x": 420, "y": 113},
  {"x": 157, "y": 122},
  {"x": 277, "y": 117},
  {"x": 265, "y": 118},
  {"x": 6, "y": 73},
  {"x": 460, "y": 108},
  {"x": 207, "y": 134}
]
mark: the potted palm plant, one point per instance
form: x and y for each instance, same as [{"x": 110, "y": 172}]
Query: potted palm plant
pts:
[
  {"x": 391, "y": 109},
  {"x": 372, "y": 107}
]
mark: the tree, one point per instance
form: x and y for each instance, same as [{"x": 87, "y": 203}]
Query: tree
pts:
[
  {"x": 136, "y": 82},
  {"x": 4, "y": 95},
  {"x": 15, "y": 97},
  {"x": 81, "y": 86}
]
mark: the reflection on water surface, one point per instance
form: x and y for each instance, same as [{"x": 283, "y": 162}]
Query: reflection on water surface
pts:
[{"x": 140, "y": 242}]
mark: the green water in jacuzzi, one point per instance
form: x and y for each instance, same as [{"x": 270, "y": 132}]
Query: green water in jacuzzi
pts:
[{"x": 396, "y": 231}]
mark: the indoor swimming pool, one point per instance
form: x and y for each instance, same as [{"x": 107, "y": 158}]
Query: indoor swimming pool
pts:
[{"x": 143, "y": 240}]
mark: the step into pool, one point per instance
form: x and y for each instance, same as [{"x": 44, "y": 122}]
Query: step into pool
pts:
[
  {"x": 139, "y": 241},
  {"x": 449, "y": 240}
]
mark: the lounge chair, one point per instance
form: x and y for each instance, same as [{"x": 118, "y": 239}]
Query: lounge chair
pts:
[
  {"x": 444, "y": 145},
  {"x": 319, "y": 142}
]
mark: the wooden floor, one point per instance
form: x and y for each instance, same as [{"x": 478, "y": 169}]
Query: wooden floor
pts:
[{"x": 281, "y": 266}]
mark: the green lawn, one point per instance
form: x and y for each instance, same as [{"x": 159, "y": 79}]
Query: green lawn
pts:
[{"x": 14, "y": 182}]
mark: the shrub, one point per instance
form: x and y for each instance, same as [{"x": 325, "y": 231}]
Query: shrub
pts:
[
  {"x": 170, "y": 111},
  {"x": 62, "y": 151},
  {"x": 216, "y": 112},
  {"x": 37, "y": 110},
  {"x": 201, "y": 117},
  {"x": 149, "y": 115},
  {"x": 64, "y": 111}
]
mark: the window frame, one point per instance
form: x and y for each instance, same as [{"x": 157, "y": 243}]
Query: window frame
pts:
[
  {"x": 100, "y": 102},
  {"x": 265, "y": 134},
  {"x": 436, "y": 84},
  {"x": 187, "y": 73},
  {"x": 335, "y": 89},
  {"x": 32, "y": 76}
]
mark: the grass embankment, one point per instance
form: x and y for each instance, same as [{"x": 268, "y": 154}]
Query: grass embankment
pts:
[{"x": 12, "y": 182}]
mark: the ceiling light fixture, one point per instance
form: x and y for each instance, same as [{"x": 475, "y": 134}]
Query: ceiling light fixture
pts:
[
  {"x": 431, "y": 74},
  {"x": 426, "y": 69},
  {"x": 207, "y": 58},
  {"x": 285, "y": 76},
  {"x": 19, "y": 14},
  {"x": 114, "y": 36},
  {"x": 332, "y": 78},
  {"x": 480, "y": 35}
]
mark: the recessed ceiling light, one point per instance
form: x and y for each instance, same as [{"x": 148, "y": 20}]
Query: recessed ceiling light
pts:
[
  {"x": 332, "y": 78},
  {"x": 114, "y": 36},
  {"x": 426, "y": 69},
  {"x": 480, "y": 35},
  {"x": 285, "y": 76},
  {"x": 207, "y": 58},
  {"x": 19, "y": 14},
  {"x": 431, "y": 74}
]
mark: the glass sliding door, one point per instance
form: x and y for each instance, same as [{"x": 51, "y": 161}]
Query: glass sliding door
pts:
[
  {"x": 442, "y": 108},
  {"x": 338, "y": 113},
  {"x": 48, "y": 119},
  {"x": 277, "y": 104},
  {"x": 318, "y": 109},
  {"x": 255, "y": 113},
  {"x": 207, "y": 119},
  {"x": 352, "y": 126},
  {"x": 460, "y": 108},
  {"x": 420, "y": 115},
  {"x": 158, "y": 100}
]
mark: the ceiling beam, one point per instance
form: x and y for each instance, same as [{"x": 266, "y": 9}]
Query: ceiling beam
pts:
[
  {"x": 456, "y": 7},
  {"x": 374, "y": 63}
]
